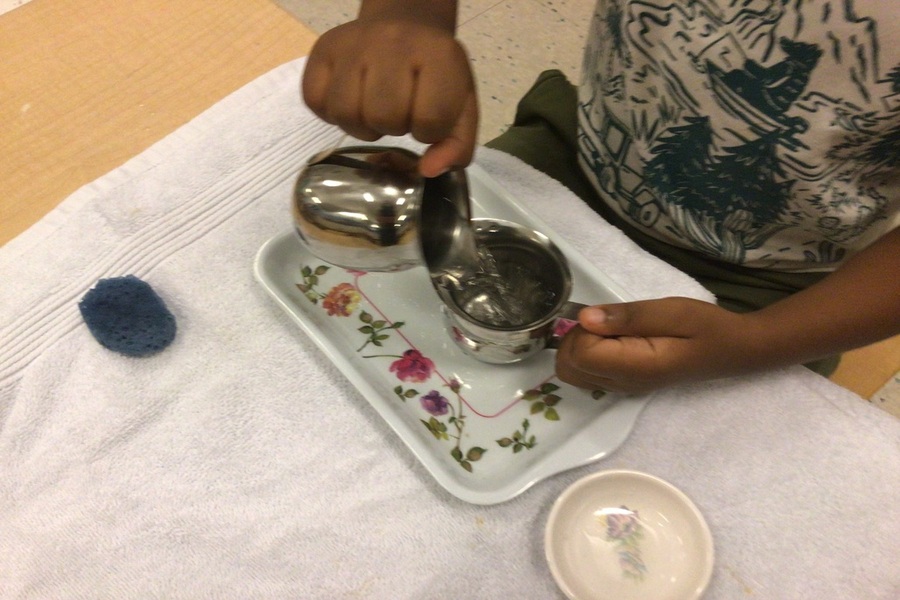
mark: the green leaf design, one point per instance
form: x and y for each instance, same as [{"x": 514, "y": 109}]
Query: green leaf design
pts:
[
  {"x": 374, "y": 330},
  {"x": 551, "y": 399},
  {"x": 310, "y": 281},
  {"x": 404, "y": 395},
  {"x": 548, "y": 400},
  {"x": 519, "y": 440},
  {"x": 429, "y": 428},
  {"x": 475, "y": 453},
  {"x": 437, "y": 429}
]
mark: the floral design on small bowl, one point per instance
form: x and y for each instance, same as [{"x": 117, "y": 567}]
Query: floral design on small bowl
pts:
[{"x": 624, "y": 529}]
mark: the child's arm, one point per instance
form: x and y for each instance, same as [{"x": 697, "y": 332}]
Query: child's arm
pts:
[
  {"x": 398, "y": 69},
  {"x": 640, "y": 346}
]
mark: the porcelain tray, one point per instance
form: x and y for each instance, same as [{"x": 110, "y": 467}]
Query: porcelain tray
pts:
[{"x": 485, "y": 432}]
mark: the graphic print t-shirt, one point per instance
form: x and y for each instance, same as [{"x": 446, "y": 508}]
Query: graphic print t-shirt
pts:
[{"x": 759, "y": 132}]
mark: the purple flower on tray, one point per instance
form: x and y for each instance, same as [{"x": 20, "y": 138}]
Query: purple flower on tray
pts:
[{"x": 434, "y": 403}]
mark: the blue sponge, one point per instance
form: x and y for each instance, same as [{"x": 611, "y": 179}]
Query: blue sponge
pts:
[{"x": 125, "y": 315}]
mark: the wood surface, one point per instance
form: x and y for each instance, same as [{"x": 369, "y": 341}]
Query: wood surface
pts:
[{"x": 87, "y": 84}]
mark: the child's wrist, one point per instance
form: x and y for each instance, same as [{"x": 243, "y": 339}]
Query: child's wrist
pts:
[{"x": 440, "y": 14}]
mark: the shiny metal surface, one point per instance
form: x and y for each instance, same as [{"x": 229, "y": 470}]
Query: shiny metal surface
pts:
[
  {"x": 511, "y": 245},
  {"x": 367, "y": 208}
]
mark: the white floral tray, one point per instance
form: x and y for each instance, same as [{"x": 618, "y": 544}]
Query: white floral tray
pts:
[{"x": 485, "y": 432}]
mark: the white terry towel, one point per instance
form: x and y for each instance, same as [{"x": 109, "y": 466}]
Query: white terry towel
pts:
[{"x": 239, "y": 462}]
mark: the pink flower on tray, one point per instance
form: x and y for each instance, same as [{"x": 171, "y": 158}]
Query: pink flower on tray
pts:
[
  {"x": 341, "y": 300},
  {"x": 434, "y": 403},
  {"x": 563, "y": 326},
  {"x": 412, "y": 366}
]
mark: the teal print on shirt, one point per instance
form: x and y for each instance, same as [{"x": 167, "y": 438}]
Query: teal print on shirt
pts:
[{"x": 725, "y": 103}]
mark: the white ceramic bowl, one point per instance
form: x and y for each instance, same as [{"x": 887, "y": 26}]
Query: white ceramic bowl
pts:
[{"x": 626, "y": 535}]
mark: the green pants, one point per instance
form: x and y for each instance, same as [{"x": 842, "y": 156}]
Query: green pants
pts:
[{"x": 544, "y": 135}]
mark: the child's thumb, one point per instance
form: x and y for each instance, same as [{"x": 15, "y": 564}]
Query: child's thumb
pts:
[{"x": 645, "y": 318}]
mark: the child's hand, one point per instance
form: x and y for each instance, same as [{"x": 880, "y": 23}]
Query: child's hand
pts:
[
  {"x": 641, "y": 346},
  {"x": 392, "y": 76}
]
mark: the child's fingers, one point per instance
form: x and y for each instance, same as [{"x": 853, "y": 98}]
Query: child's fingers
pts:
[
  {"x": 387, "y": 99},
  {"x": 315, "y": 83},
  {"x": 669, "y": 317},
  {"x": 443, "y": 92},
  {"x": 457, "y": 149}
]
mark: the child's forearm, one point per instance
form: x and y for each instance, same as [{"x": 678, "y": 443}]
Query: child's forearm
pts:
[
  {"x": 436, "y": 13},
  {"x": 856, "y": 305}
]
